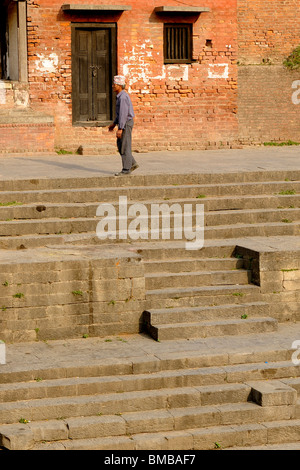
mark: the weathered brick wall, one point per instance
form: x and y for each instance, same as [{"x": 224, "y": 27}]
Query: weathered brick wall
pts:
[
  {"x": 177, "y": 106},
  {"x": 269, "y": 104},
  {"x": 29, "y": 138},
  {"x": 268, "y": 96},
  {"x": 268, "y": 30}
]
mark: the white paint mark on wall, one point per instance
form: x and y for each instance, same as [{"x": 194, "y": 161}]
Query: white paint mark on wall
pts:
[
  {"x": 138, "y": 67},
  {"x": 47, "y": 63},
  {"x": 218, "y": 71},
  {"x": 296, "y": 94}
]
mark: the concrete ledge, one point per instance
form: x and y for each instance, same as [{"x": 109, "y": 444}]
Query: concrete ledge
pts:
[
  {"x": 72, "y": 7},
  {"x": 175, "y": 9}
]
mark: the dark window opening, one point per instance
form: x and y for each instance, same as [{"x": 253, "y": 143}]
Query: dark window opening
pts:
[
  {"x": 178, "y": 47},
  {"x": 13, "y": 40}
]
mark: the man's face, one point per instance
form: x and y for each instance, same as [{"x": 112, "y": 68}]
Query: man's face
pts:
[{"x": 117, "y": 88}]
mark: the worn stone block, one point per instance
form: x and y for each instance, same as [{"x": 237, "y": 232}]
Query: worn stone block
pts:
[{"x": 272, "y": 393}]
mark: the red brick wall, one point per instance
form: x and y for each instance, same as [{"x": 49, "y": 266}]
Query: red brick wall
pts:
[
  {"x": 32, "y": 138},
  {"x": 269, "y": 104},
  {"x": 185, "y": 106},
  {"x": 268, "y": 98},
  {"x": 268, "y": 30}
]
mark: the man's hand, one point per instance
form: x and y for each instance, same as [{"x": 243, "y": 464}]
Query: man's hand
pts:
[
  {"x": 111, "y": 127},
  {"x": 119, "y": 134}
]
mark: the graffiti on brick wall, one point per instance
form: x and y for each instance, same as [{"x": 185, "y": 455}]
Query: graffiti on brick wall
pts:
[
  {"x": 296, "y": 94},
  {"x": 47, "y": 63},
  {"x": 138, "y": 66}
]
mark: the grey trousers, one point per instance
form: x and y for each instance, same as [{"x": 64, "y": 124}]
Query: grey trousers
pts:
[{"x": 125, "y": 147}]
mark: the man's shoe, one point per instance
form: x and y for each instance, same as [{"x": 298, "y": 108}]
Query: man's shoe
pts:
[
  {"x": 123, "y": 172},
  {"x": 134, "y": 167}
]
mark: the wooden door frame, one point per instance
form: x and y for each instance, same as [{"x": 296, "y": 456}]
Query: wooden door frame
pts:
[{"x": 114, "y": 66}]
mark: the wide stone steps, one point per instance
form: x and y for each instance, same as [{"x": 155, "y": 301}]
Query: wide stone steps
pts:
[
  {"x": 209, "y": 382},
  {"x": 131, "y": 424},
  {"x": 204, "y": 398},
  {"x": 199, "y": 399},
  {"x": 269, "y": 434},
  {"x": 216, "y": 219},
  {"x": 139, "y": 180},
  {"x": 23, "y": 211},
  {"x": 182, "y": 389},
  {"x": 137, "y": 193},
  {"x": 90, "y": 238},
  {"x": 235, "y": 206},
  {"x": 287, "y": 228}
]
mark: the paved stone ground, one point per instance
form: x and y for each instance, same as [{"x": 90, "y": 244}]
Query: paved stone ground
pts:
[
  {"x": 89, "y": 351},
  {"x": 206, "y": 161}
]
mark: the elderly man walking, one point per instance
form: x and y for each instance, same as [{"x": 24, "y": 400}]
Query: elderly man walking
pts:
[{"x": 124, "y": 121}]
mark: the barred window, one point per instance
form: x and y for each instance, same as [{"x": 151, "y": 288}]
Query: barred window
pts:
[{"x": 178, "y": 43}]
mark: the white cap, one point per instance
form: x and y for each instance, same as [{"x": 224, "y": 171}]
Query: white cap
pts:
[{"x": 119, "y": 80}]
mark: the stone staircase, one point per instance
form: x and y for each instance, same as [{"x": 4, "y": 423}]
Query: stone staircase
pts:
[
  {"x": 184, "y": 400},
  {"x": 201, "y": 297},
  {"x": 235, "y": 287},
  {"x": 41, "y": 212}
]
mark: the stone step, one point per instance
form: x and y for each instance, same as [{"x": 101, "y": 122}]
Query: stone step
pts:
[
  {"x": 197, "y": 421},
  {"x": 211, "y": 392},
  {"x": 251, "y": 216},
  {"x": 272, "y": 393},
  {"x": 287, "y": 228},
  {"x": 205, "y": 313},
  {"x": 169, "y": 293},
  {"x": 213, "y": 220},
  {"x": 204, "y": 329},
  {"x": 118, "y": 403},
  {"x": 283, "y": 446},
  {"x": 284, "y": 307},
  {"x": 150, "y": 180},
  {"x": 137, "y": 193},
  {"x": 294, "y": 383},
  {"x": 188, "y": 265},
  {"x": 204, "y": 299},
  {"x": 248, "y": 436},
  {"x": 176, "y": 250},
  {"x": 25, "y": 211},
  {"x": 197, "y": 278},
  {"x": 218, "y": 366}
]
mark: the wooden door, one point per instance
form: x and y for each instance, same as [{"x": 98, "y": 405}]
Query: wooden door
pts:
[{"x": 93, "y": 67}]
